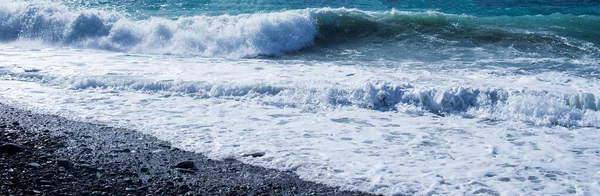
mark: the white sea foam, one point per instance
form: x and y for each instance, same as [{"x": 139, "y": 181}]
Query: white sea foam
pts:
[
  {"x": 230, "y": 36},
  {"x": 537, "y": 107}
]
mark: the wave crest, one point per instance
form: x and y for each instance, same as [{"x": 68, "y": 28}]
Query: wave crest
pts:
[
  {"x": 229, "y": 36},
  {"x": 251, "y": 35}
]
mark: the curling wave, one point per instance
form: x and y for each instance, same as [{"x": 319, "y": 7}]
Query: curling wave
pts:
[
  {"x": 231, "y": 36},
  {"x": 250, "y": 35}
]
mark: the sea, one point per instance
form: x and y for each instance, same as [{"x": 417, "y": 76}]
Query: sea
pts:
[{"x": 392, "y": 97}]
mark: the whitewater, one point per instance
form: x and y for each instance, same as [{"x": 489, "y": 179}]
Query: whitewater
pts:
[{"x": 391, "y": 101}]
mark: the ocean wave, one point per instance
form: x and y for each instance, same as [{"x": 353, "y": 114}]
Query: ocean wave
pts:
[
  {"x": 537, "y": 107},
  {"x": 276, "y": 33},
  {"x": 229, "y": 36}
]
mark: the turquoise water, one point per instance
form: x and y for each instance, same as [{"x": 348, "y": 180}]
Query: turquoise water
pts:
[
  {"x": 177, "y": 8},
  {"x": 556, "y": 35}
]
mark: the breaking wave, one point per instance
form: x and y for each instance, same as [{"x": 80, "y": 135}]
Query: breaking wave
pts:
[
  {"x": 536, "y": 107},
  {"x": 251, "y": 35}
]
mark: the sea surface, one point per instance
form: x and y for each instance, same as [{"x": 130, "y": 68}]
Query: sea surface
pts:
[{"x": 408, "y": 97}]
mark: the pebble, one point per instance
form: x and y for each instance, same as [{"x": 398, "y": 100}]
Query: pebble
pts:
[
  {"x": 183, "y": 170},
  {"x": 128, "y": 181},
  {"x": 164, "y": 145},
  {"x": 11, "y": 148},
  {"x": 34, "y": 165},
  {"x": 122, "y": 151},
  {"x": 190, "y": 193},
  {"x": 64, "y": 163},
  {"x": 89, "y": 168},
  {"x": 185, "y": 165},
  {"x": 45, "y": 182},
  {"x": 48, "y": 176},
  {"x": 144, "y": 188}
]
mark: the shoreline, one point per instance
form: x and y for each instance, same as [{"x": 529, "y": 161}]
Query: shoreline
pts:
[{"x": 53, "y": 155}]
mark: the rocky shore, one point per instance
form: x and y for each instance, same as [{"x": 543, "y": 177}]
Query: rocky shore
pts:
[{"x": 50, "y": 155}]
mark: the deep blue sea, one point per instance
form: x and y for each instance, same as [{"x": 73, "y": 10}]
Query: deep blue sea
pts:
[{"x": 414, "y": 97}]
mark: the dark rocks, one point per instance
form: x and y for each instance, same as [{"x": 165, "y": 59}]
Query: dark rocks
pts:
[
  {"x": 185, "y": 165},
  {"x": 11, "y": 148}
]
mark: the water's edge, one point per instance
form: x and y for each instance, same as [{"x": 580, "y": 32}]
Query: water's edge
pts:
[{"x": 121, "y": 156}]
